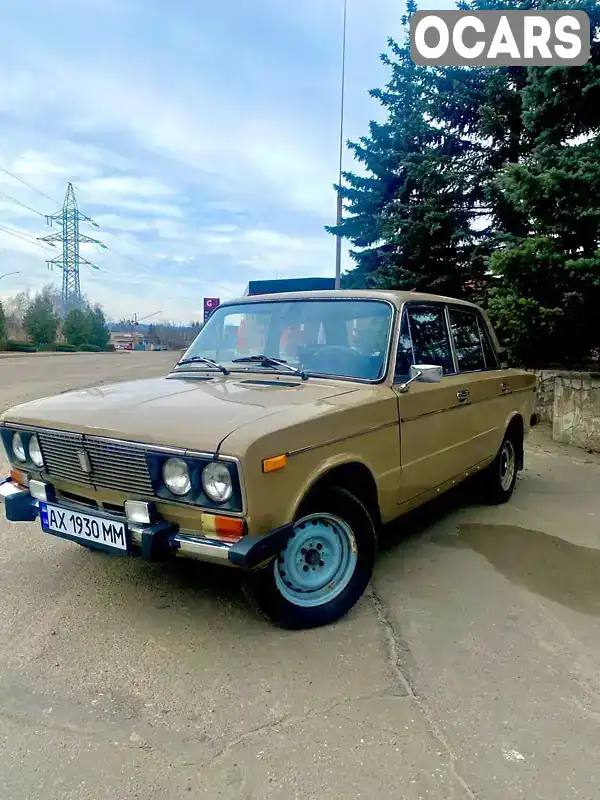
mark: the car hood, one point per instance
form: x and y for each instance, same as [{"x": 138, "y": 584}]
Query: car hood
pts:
[{"x": 173, "y": 411}]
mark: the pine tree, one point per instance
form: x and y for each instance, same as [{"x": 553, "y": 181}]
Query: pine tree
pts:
[
  {"x": 86, "y": 326},
  {"x": 546, "y": 304},
  {"x": 411, "y": 217},
  {"x": 41, "y": 320},
  {"x": 385, "y": 154},
  {"x": 77, "y": 328},
  {"x": 99, "y": 333},
  {"x": 487, "y": 180}
]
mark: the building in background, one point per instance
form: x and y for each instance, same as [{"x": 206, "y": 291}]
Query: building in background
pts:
[{"x": 125, "y": 340}]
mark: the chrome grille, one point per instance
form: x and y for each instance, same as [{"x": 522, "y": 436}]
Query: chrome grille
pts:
[
  {"x": 60, "y": 452},
  {"x": 118, "y": 466},
  {"x": 115, "y": 465}
]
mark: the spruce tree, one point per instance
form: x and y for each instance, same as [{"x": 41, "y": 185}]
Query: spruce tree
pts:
[
  {"x": 488, "y": 179},
  {"x": 410, "y": 218},
  {"x": 546, "y": 305}
]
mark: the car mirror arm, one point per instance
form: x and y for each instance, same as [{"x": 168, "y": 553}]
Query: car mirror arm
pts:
[{"x": 403, "y": 388}]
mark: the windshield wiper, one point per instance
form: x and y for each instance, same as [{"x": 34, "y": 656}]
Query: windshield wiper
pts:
[
  {"x": 202, "y": 360},
  {"x": 267, "y": 361}
]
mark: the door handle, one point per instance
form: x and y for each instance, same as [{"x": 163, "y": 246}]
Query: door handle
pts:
[
  {"x": 462, "y": 395},
  {"x": 504, "y": 388}
]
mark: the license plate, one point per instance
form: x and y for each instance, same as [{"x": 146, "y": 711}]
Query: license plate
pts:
[{"x": 101, "y": 532}]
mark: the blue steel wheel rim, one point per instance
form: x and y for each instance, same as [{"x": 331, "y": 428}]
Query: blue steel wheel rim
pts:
[{"x": 318, "y": 562}]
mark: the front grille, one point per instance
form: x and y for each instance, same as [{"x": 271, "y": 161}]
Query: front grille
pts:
[
  {"x": 114, "y": 465},
  {"x": 61, "y": 457},
  {"x": 118, "y": 466}
]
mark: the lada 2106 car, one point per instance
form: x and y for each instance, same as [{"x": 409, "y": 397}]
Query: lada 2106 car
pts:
[{"x": 291, "y": 430}]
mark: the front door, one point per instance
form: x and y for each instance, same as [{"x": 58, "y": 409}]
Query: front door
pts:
[{"x": 435, "y": 421}]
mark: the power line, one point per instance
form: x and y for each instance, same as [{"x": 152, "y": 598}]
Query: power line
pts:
[
  {"x": 29, "y": 185},
  {"x": 35, "y": 211},
  {"x": 18, "y": 202},
  {"x": 19, "y": 235},
  {"x": 14, "y": 232}
]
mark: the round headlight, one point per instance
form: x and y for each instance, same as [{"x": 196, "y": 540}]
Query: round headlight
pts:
[
  {"x": 176, "y": 476},
  {"x": 19, "y": 448},
  {"x": 35, "y": 452},
  {"x": 216, "y": 480}
]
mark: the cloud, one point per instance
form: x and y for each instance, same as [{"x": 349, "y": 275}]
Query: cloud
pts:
[
  {"x": 202, "y": 140},
  {"x": 126, "y": 186}
]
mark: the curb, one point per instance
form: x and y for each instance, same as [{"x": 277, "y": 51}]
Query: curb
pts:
[{"x": 40, "y": 355}]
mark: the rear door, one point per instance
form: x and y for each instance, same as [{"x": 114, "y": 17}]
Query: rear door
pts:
[
  {"x": 487, "y": 386},
  {"x": 435, "y": 424}
]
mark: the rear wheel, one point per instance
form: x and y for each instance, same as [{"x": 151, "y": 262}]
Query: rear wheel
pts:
[
  {"x": 325, "y": 567},
  {"x": 500, "y": 477}
]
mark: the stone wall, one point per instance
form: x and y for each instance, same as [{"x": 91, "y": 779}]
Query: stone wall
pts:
[
  {"x": 576, "y": 409},
  {"x": 544, "y": 398}
]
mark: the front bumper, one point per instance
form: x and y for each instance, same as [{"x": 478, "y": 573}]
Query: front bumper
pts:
[{"x": 163, "y": 539}]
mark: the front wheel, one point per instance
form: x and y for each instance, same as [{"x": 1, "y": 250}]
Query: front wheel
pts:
[{"x": 325, "y": 567}]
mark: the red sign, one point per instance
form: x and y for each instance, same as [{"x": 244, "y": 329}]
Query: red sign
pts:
[{"x": 210, "y": 304}]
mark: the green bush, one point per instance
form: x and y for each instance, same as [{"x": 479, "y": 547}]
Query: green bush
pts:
[
  {"x": 47, "y": 348},
  {"x": 89, "y": 348},
  {"x": 110, "y": 348},
  {"x": 66, "y": 348},
  {"x": 20, "y": 347}
]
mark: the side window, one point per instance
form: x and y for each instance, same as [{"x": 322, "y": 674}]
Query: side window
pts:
[
  {"x": 404, "y": 356},
  {"x": 467, "y": 340},
  {"x": 430, "y": 339},
  {"x": 491, "y": 357}
]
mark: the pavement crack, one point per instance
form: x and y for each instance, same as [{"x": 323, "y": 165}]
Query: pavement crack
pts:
[
  {"x": 282, "y": 721},
  {"x": 397, "y": 652}
]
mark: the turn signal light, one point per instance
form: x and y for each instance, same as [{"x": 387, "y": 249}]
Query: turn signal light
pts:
[
  {"x": 18, "y": 477},
  {"x": 229, "y": 529},
  {"x": 274, "y": 463}
]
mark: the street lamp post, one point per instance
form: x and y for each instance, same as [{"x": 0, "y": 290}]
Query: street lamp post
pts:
[
  {"x": 340, "y": 206},
  {"x": 6, "y": 274}
]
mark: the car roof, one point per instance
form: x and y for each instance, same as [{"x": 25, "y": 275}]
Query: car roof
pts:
[{"x": 397, "y": 298}]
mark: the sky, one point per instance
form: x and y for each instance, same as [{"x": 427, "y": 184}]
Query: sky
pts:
[{"x": 201, "y": 136}]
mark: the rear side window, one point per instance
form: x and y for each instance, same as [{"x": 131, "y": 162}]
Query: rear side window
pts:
[
  {"x": 467, "y": 340},
  {"x": 429, "y": 335},
  {"x": 491, "y": 357}
]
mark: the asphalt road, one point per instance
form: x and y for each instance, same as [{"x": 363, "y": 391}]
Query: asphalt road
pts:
[{"x": 471, "y": 669}]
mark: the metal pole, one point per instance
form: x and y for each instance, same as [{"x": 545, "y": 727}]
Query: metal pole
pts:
[
  {"x": 340, "y": 206},
  {"x": 6, "y": 274}
]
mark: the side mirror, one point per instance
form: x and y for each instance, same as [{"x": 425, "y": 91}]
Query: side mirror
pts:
[{"x": 426, "y": 373}]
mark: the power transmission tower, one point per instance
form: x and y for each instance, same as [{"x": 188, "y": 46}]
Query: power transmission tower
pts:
[{"x": 69, "y": 218}]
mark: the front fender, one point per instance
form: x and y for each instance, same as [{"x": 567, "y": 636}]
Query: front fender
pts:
[{"x": 322, "y": 470}]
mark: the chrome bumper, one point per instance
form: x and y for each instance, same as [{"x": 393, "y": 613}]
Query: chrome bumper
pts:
[
  {"x": 202, "y": 549},
  {"x": 190, "y": 545},
  {"x": 158, "y": 541}
]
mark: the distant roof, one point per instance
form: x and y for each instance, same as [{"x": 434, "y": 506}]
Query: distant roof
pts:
[{"x": 288, "y": 285}]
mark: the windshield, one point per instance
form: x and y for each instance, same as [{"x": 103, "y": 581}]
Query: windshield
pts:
[{"x": 341, "y": 338}]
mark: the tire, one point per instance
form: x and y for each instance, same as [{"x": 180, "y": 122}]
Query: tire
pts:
[
  {"x": 302, "y": 588},
  {"x": 499, "y": 479}
]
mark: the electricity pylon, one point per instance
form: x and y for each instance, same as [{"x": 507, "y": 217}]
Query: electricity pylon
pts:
[{"x": 69, "y": 218}]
